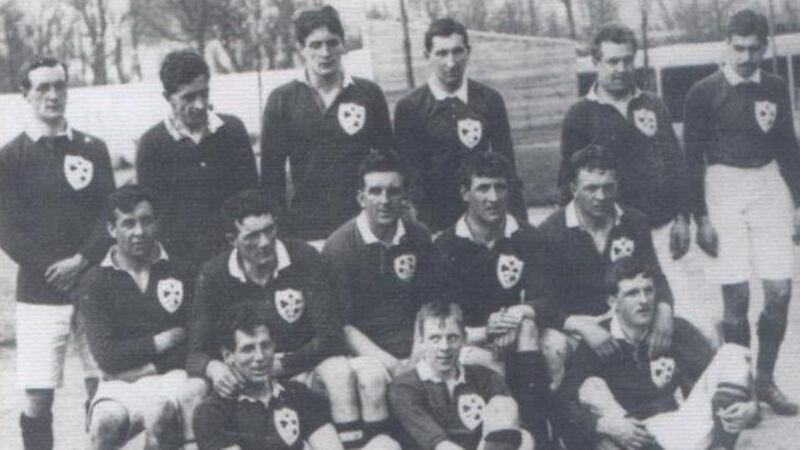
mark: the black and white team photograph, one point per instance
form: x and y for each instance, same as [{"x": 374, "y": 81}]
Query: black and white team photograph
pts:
[{"x": 399, "y": 224}]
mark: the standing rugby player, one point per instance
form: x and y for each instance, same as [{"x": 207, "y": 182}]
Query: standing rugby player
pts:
[
  {"x": 440, "y": 123},
  {"x": 745, "y": 166},
  {"x": 323, "y": 123},
  {"x": 53, "y": 183}
]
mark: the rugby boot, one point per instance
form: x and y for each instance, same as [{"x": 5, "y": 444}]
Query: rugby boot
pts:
[
  {"x": 768, "y": 392},
  {"x": 723, "y": 437}
]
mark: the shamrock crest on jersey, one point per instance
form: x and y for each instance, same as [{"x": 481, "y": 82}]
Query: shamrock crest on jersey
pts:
[
  {"x": 620, "y": 248},
  {"x": 170, "y": 294},
  {"x": 405, "y": 266},
  {"x": 765, "y": 114},
  {"x": 352, "y": 117},
  {"x": 470, "y": 410},
  {"x": 290, "y": 304},
  {"x": 470, "y": 132},
  {"x": 287, "y": 424},
  {"x": 645, "y": 121},
  {"x": 78, "y": 171},
  {"x": 661, "y": 371},
  {"x": 509, "y": 270}
]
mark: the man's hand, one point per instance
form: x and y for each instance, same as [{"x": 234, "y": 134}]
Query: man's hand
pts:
[
  {"x": 707, "y": 237},
  {"x": 736, "y": 416},
  {"x": 168, "y": 339},
  {"x": 796, "y": 235},
  {"x": 660, "y": 338},
  {"x": 226, "y": 381},
  {"x": 679, "y": 238},
  {"x": 598, "y": 339},
  {"x": 62, "y": 275},
  {"x": 277, "y": 364},
  {"x": 500, "y": 322},
  {"x": 629, "y": 433},
  {"x": 409, "y": 211}
]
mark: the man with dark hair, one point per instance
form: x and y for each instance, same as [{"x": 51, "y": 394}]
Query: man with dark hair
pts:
[
  {"x": 745, "y": 180},
  {"x": 444, "y": 405},
  {"x": 580, "y": 240},
  {"x": 629, "y": 401},
  {"x": 385, "y": 271},
  {"x": 616, "y": 114},
  {"x": 441, "y": 122},
  {"x": 265, "y": 414},
  {"x": 323, "y": 123},
  {"x": 136, "y": 305},
  {"x": 193, "y": 160},
  {"x": 53, "y": 183}
]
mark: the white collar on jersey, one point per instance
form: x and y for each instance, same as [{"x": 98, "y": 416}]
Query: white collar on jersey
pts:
[
  {"x": 735, "y": 79},
  {"x": 178, "y": 133},
  {"x": 425, "y": 373},
  {"x": 440, "y": 94},
  {"x": 36, "y": 130},
  {"x": 110, "y": 259},
  {"x": 277, "y": 390},
  {"x": 236, "y": 271},
  {"x": 571, "y": 215},
  {"x": 347, "y": 79},
  {"x": 369, "y": 237},
  {"x": 462, "y": 229}
]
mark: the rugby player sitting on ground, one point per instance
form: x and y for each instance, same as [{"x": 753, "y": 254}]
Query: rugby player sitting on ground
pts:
[
  {"x": 445, "y": 405},
  {"x": 629, "y": 401},
  {"x": 136, "y": 304},
  {"x": 264, "y": 414}
]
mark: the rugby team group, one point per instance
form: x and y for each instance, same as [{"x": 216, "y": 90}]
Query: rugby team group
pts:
[{"x": 209, "y": 311}]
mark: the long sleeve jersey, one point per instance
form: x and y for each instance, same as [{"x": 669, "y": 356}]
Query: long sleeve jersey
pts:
[
  {"x": 52, "y": 197},
  {"x": 743, "y": 125},
  {"x": 303, "y": 319},
  {"x": 191, "y": 181},
  {"x": 650, "y": 162},
  {"x": 324, "y": 147},
  {"x": 434, "y": 136}
]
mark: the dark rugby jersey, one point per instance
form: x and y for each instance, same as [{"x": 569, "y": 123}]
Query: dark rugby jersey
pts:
[
  {"x": 121, "y": 321},
  {"x": 291, "y": 416},
  {"x": 577, "y": 271},
  {"x": 381, "y": 287},
  {"x": 746, "y": 125},
  {"x": 190, "y": 182},
  {"x": 52, "y": 197},
  {"x": 434, "y": 136},
  {"x": 303, "y": 320},
  {"x": 324, "y": 148},
  {"x": 644, "y": 387},
  {"x": 430, "y": 414},
  {"x": 651, "y": 164},
  {"x": 483, "y": 280}
]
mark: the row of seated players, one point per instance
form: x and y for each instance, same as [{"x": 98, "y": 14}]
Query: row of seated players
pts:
[{"x": 272, "y": 320}]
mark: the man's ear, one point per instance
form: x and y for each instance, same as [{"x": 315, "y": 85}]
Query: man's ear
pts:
[
  {"x": 612, "y": 302},
  {"x": 230, "y": 238},
  {"x": 112, "y": 230},
  {"x": 573, "y": 188},
  {"x": 361, "y": 198},
  {"x": 227, "y": 355},
  {"x": 464, "y": 193}
]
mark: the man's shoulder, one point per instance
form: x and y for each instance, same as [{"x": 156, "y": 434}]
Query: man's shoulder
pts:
[
  {"x": 482, "y": 90},
  {"x": 418, "y": 232},
  {"x": 301, "y": 252},
  {"x": 773, "y": 82},
  {"x": 85, "y": 138},
  {"x": 447, "y": 238},
  {"x": 216, "y": 266},
  {"x": 232, "y": 121},
  {"x": 368, "y": 85},
  {"x": 480, "y": 374},
  {"x": 14, "y": 145},
  {"x": 341, "y": 240},
  {"x": 94, "y": 277},
  {"x": 407, "y": 379},
  {"x": 416, "y": 97},
  {"x": 154, "y": 135},
  {"x": 709, "y": 83},
  {"x": 215, "y": 402},
  {"x": 554, "y": 224},
  {"x": 634, "y": 217}
]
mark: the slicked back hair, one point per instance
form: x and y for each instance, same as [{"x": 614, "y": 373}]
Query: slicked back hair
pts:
[
  {"x": 309, "y": 20},
  {"x": 626, "y": 268},
  {"x": 380, "y": 161},
  {"x": 441, "y": 310},
  {"x": 591, "y": 157},
  {"x": 35, "y": 63},
  {"x": 616, "y": 33},
  {"x": 125, "y": 200},
  {"x": 243, "y": 204},
  {"x": 245, "y": 317},
  {"x": 748, "y": 23},
  {"x": 181, "y": 67},
  {"x": 445, "y": 27},
  {"x": 484, "y": 164}
]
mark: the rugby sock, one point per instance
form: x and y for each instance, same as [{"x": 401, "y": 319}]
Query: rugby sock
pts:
[
  {"x": 372, "y": 429},
  {"x": 726, "y": 395},
  {"x": 91, "y": 383},
  {"x": 770, "y": 337},
  {"x": 736, "y": 331},
  {"x": 503, "y": 440},
  {"x": 350, "y": 433},
  {"x": 529, "y": 380},
  {"x": 37, "y": 432},
  {"x": 736, "y": 302}
]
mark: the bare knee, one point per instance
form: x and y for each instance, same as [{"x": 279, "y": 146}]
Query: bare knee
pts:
[
  {"x": 371, "y": 377},
  {"x": 382, "y": 442},
  {"x": 110, "y": 425},
  {"x": 38, "y": 402},
  {"x": 500, "y": 413},
  {"x": 338, "y": 378},
  {"x": 161, "y": 419}
]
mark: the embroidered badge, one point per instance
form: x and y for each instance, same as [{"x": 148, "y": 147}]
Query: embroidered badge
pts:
[
  {"x": 470, "y": 410},
  {"x": 170, "y": 294},
  {"x": 351, "y": 117},
  {"x": 470, "y": 132},
  {"x": 645, "y": 121},
  {"x": 509, "y": 270},
  {"x": 620, "y": 248},
  {"x": 765, "y": 114},
  {"x": 78, "y": 170},
  {"x": 287, "y": 424},
  {"x": 661, "y": 371},
  {"x": 405, "y": 266},
  {"x": 290, "y": 304}
]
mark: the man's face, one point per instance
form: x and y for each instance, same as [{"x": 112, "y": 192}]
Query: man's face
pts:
[
  {"x": 190, "y": 103},
  {"x": 635, "y": 301},
  {"x": 323, "y": 52},
  {"x": 135, "y": 231},
  {"x": 745, "y": 54},
  {"x": 448, "y": 59},
  {"x": 487, "y": 198},
  {"x": 595, "y": 192},
  {"x": 382, "y": 198},
  {"x": 253, "y": 356},
  {"x": 255, "y": 239},
  {"x": 615, "y": 67},
  {"x": 48, "y": 93},
  {"x": 441, "y": 344}
]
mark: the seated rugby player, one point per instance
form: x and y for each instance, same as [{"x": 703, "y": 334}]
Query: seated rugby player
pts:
[
  {"x": 384, "y": 270},
  {"x": 264, "y": 414},
  {"x": 136, "y": 305},
  {"x": 444, "y": 405},
  {"x": 629, "y": 400}
]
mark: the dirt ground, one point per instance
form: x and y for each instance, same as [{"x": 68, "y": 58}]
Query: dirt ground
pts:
[{"x": 773, "y": 433}]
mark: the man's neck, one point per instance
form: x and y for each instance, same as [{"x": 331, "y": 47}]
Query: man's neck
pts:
[
  {"x": 447, "y": 88},
  {"x": 51, "y": 128},
  {"x": 258, "y": 391},
  {"x": 325, "y": 84},
  {"x": 134, "y": 264},
  {"x": 192, "y": 130},
  {"x": 593, "y": 223},
  {"x": 617, "y": 97},
  {"x": 633, "y": 333},
  {"x": 384, "y": 233},
  {"x": 486, "y": 233},
  {"x": 260, "y": 274}
]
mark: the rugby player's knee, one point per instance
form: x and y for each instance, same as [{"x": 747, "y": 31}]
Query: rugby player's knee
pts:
[
  {"x": 500, "y": 413},
  {"x": 554, "y": 343},
  {"x": 162, "y": 415},
  {"x": 110, "y": 424},
  {"x": 382, "y": 442},
  {"x": 371, "y": 376},
  {"x": 194, "y": 391},
  {"x": 594, "y": 393},
  {"x": 336, "y": 374}
]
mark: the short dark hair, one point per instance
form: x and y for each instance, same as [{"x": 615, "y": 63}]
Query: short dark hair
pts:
[
  {"x": 591, "y": 157},
  {"x": 125, "y": 200},
  {"x": 311, "y": 19},
  {"x": 484, "y": 164},
  {"x": 181, "y": 67},
  {"x": 380, "y": 161},
  {"x": 625, "y": 268},
  {"x": 747, "y": 23},
  {"x": 243, "y": 204},
  {"x": 35, "y": 63},
  {"x": 441, "y": 310},
  {"x": 443, "y": 28},
  {"x": 616, "y": 33},
  {"x": 244, "y": 316}
]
